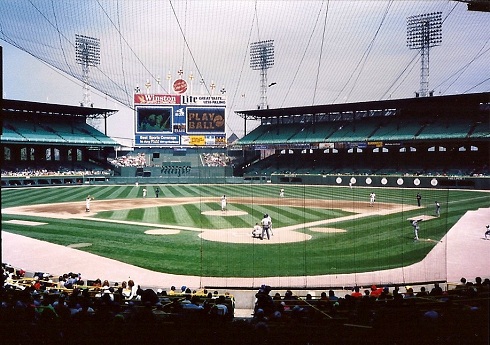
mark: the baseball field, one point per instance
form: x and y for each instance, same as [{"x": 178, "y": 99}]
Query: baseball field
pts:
[{"x": 316, "y": 229}]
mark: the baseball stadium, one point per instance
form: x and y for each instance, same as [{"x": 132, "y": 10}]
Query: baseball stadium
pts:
[{"x": 387, "y": 197}]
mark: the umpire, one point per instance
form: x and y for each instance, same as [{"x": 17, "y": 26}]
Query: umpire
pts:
[{"x": 266, "y": 226}]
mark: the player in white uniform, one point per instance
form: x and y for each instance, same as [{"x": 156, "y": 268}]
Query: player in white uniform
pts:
[
  {"x": 281, "y": 193},
  {"x": 372, "y": 199},
  {"x": 223, "y": 203},
  {"x": 257, "y": 231},
  {"x": 144, "y": 192},
  {"x": 87, "y": 203}
]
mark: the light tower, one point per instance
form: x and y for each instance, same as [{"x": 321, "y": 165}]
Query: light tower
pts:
[
  {"x": 262, "y": 58},
  {"x": 87, "y": 55},
  {"x": 423, "y": 32}
]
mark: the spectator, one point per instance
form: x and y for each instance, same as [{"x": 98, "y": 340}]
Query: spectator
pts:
[
  {"x": 356, "y": 293},
  {"x": 436, "y": 290},
  {"x": 133, "y": 291},
  {"x": 375, "y": 291},
  {"x": 332, "y": 297},
  {"x": 422, "y": 292}
]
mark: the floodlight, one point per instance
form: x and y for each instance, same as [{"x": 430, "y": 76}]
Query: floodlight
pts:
[
  {"x": 87, "y": 54},
  {"x": 262, "y": 58},
  {"x": 424, "y": 31}
]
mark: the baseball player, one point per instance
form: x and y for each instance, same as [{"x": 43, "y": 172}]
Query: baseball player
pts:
[
  {"x": 416, "y": 229},
  {"x": 223, "y": 203},
  {"x": 281, "y": 193},
  {"x": 257, "y": 231},
  {"x": 266, "y": 226},
  {"x": 87, "y": 203},
  {"x": 438, "y": 209},
  {"x": 372, "y": 199},
  {"x": 144, "y": 192},
  {"x": 487, "y": 233}
]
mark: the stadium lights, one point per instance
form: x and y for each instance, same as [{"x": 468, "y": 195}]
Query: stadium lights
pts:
[
  {"x": 423, "y": 32},
  {"x": 262, "y": 58},
  {"x": 87, "y": 54}
]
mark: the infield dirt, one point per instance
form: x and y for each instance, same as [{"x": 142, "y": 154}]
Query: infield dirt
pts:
[{"x": 233, "y": 235}]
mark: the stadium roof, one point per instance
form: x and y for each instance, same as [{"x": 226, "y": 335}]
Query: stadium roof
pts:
[
  {"x": 422, "y": 104},
  {"x": 24, "y": 107}
]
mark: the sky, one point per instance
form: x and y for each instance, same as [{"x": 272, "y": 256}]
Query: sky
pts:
[{"x": 325, "y": 52}]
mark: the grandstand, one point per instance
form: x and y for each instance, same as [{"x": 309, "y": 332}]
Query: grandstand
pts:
[
  {"x": 434, "y": 136},
  {"x": 42, "y": 142}
]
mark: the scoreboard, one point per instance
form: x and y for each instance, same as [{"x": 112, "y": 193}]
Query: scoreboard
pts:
[{"x": 179, "y": 120}]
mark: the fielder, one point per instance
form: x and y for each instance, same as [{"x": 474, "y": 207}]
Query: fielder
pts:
[
  {"x": 372, "y": 199},
  {"x": 87, "y": 203},
  {"x": 487, "y": 233},
  {"x": 416, "y": 228},
  {"x": 223, "y": 203},
  {"x": 281, "y": 193}
]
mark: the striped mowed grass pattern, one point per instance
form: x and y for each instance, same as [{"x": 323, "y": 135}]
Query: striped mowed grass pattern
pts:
[{"x": 370, "y": 243}]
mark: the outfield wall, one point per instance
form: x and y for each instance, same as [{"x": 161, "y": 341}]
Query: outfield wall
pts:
[
  {"x": 214, "y": 176},
  {"x": 459, "y": 182}
]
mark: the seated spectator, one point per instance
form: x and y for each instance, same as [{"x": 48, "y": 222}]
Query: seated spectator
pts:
[
  {"x": 422, "y": 292},
  {"x": 133, "y": 291},
  {"x": 192, "y": 304},
  {"x": 277, "y": 297},
  {"x": 436, "y": 290},
  {"x": 409, "y": 293},
  {"x": 332, "y": 297},
  {"x": 478, "y": 284},
  {"x": 356, "y": 293},
  {"x": 149, "y": 296},
  {"x": 385, "y": 294},
  {"x": 375, "y": 291},
  {"x": 288, "y": 296},
  {"x": 462, "y": 284},
  {"x": 220, "y": 308}
]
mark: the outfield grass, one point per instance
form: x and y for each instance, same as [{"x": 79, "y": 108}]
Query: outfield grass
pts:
[{"x": 370, "y": 243}]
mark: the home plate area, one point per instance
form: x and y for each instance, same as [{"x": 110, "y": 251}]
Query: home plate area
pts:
[{"x": 244, "y": 235}]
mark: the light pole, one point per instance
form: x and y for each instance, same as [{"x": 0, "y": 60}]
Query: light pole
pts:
[
  {"x": 423, "y": 32},
  {"x": 87, "y": 54},
  {"x": 262, "y": 58}
]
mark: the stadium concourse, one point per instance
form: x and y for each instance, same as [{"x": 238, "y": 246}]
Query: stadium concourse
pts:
[{"x": 466, "y": 250}]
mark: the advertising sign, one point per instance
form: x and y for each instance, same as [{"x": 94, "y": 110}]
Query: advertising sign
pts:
[{"x": 179, "y": 120}]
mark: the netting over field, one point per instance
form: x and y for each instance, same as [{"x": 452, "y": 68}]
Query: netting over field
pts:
[{"x": 325, "y": 52}]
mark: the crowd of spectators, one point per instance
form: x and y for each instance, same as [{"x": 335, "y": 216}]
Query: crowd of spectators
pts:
[
  {"x": 138, "y": 160},
  {"x": 215, "y": 159},
  {"x": 44, "y": 309},
  {"x": 58, "y": 171}
]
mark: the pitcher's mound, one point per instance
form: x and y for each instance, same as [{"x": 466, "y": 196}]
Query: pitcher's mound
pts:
[
  {"x": 327, "y": 230},
  {"x": 224, "y": 213},
  {"x": 162, "y": 232},
  {"x": 422, "y": 217}
]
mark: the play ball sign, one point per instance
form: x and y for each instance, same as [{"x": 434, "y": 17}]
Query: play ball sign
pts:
[{"x": 180, "y": 86}]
